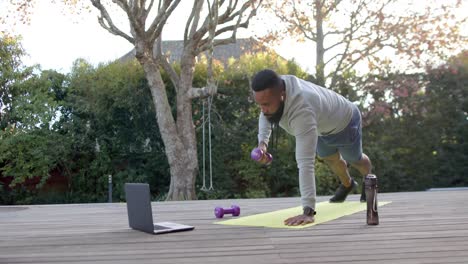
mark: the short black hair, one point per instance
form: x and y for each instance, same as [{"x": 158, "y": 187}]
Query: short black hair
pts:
[{"x": 265, "y": 79}]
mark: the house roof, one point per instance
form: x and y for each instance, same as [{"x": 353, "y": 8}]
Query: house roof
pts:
[{"x": 173, "y": 49}]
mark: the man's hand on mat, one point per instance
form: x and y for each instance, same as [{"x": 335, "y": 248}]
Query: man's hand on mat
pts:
[{"x": 299, "y": 220}]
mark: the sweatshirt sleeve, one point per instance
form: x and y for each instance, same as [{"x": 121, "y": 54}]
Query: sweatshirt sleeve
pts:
[
  {"x": 306, "y": 144},
  {"x": 264, "y": 129}
]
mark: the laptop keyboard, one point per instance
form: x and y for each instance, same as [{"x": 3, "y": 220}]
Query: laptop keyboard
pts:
[{"x": 158, "y": 227}]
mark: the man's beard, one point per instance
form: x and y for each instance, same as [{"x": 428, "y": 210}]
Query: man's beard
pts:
[{"x": 276, "y": 116}]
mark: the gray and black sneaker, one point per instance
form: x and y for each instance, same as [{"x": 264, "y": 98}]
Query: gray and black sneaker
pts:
[{"x": 342, "y": 192}]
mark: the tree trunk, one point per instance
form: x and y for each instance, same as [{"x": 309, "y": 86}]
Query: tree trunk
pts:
[
  {"x": 320, "y": 63},
  {"x": 179, "y": 140},
  {"x": 186, "y": 131}
]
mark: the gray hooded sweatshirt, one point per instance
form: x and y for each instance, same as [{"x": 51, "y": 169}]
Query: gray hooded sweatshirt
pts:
[{"x": 309, "y": 111}]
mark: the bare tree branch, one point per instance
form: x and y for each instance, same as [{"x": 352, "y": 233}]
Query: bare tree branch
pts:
[
  {"x": 334, "y": 57},
  {"x": 207, "y": 43},
  {"x": 122, "y": 4},
  {"x": 135, "y": 7},
  {"x": 331, "y": 7},
  {"x": 192, "y": 21},
  {"x": 175, "y": 79},
  {"x": 354, "y": 27},
  {"x": 136, "y": 24},
  {"x": 362, "y": 55},
  {"x": 226, "y": 17},
  {"x": 305, "y": 29},
  {"x": 110, "y": 26},
  {"x": 334, "y": 45},
  {"x": 147, "y": 10},
  {"x": 338, "y": 66},
  {"x": 213, "y": 14},
  {"x": 336, "y": 32},
  {"x": 159, "y": 21}
]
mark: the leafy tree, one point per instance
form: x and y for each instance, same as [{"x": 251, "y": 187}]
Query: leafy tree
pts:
[
  {"x": 12, "y": 72},
  {"x": 113, "y": 130},
  {"x": 447, "y": 108},
  {"x": 416, "y": 125},
  {"x": 349, "y": 33},
  {"x": 29, "y": 103},
  {"x": 32, "y": 154},
  {"x": 393, "y": 132}
]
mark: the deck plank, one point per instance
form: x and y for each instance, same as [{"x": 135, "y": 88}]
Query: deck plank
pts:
[{"x": 417, "y": 227}]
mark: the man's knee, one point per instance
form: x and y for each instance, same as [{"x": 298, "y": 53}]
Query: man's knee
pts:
[
  {"x": 364, "y": 165},
  {"x": 363, "y": 161}
]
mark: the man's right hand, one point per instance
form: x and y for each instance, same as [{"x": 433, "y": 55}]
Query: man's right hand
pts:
[
  {"x": 299, "y": 220},
  {"x": 262, "y": 146}
]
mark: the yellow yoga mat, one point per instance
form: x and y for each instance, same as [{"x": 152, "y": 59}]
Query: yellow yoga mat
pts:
[{"x": 326, "y": 211}]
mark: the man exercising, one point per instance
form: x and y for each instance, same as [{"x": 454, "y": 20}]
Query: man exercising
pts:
[{"x": 322, "y": 121}]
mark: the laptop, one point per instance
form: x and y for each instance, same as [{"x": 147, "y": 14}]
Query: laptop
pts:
[{"x": 140, "y": 215}]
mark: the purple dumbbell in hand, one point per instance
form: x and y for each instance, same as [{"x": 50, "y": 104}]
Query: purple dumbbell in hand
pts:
[
  {"x": 220, "y": 212},
  {"x": 261, "y": 156}
]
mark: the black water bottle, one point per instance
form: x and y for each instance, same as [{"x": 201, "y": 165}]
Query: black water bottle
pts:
[{"x": 371, "y": 194}]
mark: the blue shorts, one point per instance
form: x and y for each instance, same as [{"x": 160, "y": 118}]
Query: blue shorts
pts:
[{"x": 347, "y": 142}]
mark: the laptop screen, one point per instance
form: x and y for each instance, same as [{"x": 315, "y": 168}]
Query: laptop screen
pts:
[{"x": 138, "y": 198}]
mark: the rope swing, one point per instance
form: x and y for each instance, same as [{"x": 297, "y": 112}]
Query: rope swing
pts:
[
  {"x": 210, "y": 85},
  {"x": 208, "y": 102}
]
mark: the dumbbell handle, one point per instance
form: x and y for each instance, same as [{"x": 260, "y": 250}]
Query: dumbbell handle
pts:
[
  {"x": 261, "y": 156},
  {"x": 229, "y": 211}
]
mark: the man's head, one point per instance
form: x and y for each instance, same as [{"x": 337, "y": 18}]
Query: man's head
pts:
[{"x": 270, "y": 94}]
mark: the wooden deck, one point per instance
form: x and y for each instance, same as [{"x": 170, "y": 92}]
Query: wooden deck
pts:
[{"x": 419, "y": 227}]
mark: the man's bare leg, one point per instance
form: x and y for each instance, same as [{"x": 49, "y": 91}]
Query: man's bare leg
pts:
[
  {"x": 338, "y": 165},
  {"x": 364, "y": 166}
]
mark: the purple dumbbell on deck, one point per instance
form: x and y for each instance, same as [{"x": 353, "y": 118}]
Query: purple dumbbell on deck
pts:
[
  {"x": 220, "y": 212},
  {"x": 261, "y": 156}
]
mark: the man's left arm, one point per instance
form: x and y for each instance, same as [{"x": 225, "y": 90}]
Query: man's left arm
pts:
[{"x": 306, "y": 143}]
